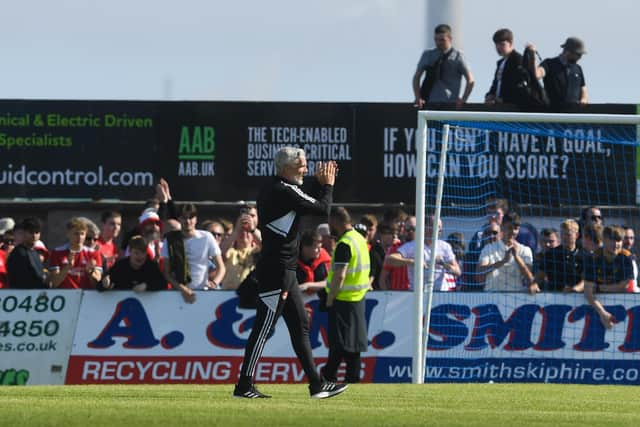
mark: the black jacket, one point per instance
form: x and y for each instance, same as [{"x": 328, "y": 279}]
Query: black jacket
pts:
[
  {"x": 25, "y": 270},
  {"x": 510, "y": 93},
  {"x": 280, "y": 206}
]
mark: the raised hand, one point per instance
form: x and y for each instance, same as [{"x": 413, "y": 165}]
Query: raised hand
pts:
[{"x": 326, "y": 172}]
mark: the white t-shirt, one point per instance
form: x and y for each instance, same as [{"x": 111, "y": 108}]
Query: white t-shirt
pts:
[
  {"x": 199, "y": 249},
  {"x": 508, "y": 277},
  {"x": 443, "y": 250}
]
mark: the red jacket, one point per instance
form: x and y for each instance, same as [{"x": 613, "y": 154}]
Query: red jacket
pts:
[{"x": 323, "y": 258}]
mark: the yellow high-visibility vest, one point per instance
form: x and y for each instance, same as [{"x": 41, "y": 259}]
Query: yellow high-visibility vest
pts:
[{"x": 356, "y": 282}]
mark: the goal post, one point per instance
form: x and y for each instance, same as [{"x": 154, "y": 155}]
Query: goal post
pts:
[{"x": 445, "y": 121}]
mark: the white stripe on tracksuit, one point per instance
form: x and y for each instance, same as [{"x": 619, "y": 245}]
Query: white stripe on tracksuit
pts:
[{"x": 262, "y": 337}]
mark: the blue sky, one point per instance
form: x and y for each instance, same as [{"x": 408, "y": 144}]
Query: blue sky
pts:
[{"x": 287, "y": 50}]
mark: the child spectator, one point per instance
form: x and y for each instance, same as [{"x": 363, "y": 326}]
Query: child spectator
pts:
[
  {"x": 135, "y": 272},
  {"x": 73, "y": 265}
]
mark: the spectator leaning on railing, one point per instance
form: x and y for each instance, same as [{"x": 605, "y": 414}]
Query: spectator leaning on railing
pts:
[
  {"x": 24, "y": 267},
  {"x": 187, "y": 252},
  {"x": 609, "y": 270},
  {"x": 135, "y": 272},
  {"x": 560, "y": 268}
]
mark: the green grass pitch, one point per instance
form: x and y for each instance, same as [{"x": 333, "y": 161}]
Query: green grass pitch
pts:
[{"x": 362, "y": 405}]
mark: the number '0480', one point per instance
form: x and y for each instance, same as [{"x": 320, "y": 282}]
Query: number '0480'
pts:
[{"x": 39, "y": 304}]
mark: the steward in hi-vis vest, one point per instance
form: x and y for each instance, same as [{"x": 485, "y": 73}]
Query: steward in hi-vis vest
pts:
[
  {"x": 356, "y": 281},
  {"x": 348, "y": 283}
]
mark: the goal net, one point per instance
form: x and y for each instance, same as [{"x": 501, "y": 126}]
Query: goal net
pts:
[{"x": 544, "y": 177}]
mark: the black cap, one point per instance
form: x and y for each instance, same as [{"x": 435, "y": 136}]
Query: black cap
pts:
[{"x": 575, "y": 45}]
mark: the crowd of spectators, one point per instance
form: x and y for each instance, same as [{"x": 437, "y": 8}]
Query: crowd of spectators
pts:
[
  {"x": 553, "y": 84},
  {"x": 169, "y": 248}
]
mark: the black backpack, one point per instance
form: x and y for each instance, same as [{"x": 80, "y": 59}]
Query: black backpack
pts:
[{"x": 530, "y": 91}]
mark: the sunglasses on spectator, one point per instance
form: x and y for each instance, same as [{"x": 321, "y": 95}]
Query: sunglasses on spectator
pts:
[
  {"x": 492, "y": 232},
  {"x": 216, "y": 235},
  {"x": 409, "y": 228},
  {"x": 89, "y": 239},
  {"x": 8, "y": 241},
  {"x": 596, "y": 217}
]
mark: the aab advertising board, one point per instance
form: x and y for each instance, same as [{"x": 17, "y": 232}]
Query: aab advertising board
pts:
[
  {"x": 36, "y": 331},
  {"x": 156, "y": 338},
  {"x": 223, "y": 151}
]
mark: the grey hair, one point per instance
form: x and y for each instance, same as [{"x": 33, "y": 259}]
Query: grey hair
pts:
[
  {"x": 91, "y": 226},
  {"x": 287, "y": 156}
]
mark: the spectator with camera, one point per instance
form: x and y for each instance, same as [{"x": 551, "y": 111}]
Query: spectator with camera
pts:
[{"x": 240, "y": 250}]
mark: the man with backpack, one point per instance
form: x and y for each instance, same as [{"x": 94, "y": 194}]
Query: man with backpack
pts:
[
  {"x": 563, "y": 78},
  {"x": 444, "y": 67}
]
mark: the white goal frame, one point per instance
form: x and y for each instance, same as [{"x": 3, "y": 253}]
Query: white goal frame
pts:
[{"x": 422, "y": 322}]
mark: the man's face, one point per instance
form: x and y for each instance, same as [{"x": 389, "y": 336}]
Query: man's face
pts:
[
  {"x": 495, "y": 215},
  {"x": 188, "y": 222},
  {"x": 111, "y": 228},
  {"x": 428, "y": 229},
  {"x": 549, "y": 242},
  {"x": 77, "y": 236},
  {"x": 509, "y": 231},
  {"x": 371, "y": 232},
  {"x": 573, "y": 57},
  {"x": 296, "y": 171},
  {"x": 612, "y": 246},
  {"x": 387, "y": 238},
  {"x": 90, "y": 240},
  {"x": 492, "y": 233},
  {"x": 9, "y": 242},
  {"x": 328, "y": 243},
  {"x": 217, "y": 232},
  {"x": 628, "y": 239},
  {"x": 137, "y": 258},
  {"x": 504, "y": 48},
  {"x": 151, "y": 231},
  {"x": 410, "y": 229},
  {"x": 569, "y": 237},
  {"x": 29, "y": 238},
  {"x": 253, "y": 213},
  {"x": 311, "y": 252},
  {"x": 594, "y": 217},
  {"x": 443, "y": 41}
]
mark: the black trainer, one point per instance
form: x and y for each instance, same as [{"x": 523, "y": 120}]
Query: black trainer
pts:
[
  {"x": 250, "y": 392},
  {"x": 326, "y": 389}
]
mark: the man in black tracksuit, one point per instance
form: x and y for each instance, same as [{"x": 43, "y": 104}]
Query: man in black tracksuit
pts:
[{"x": 281, "y": 203}]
